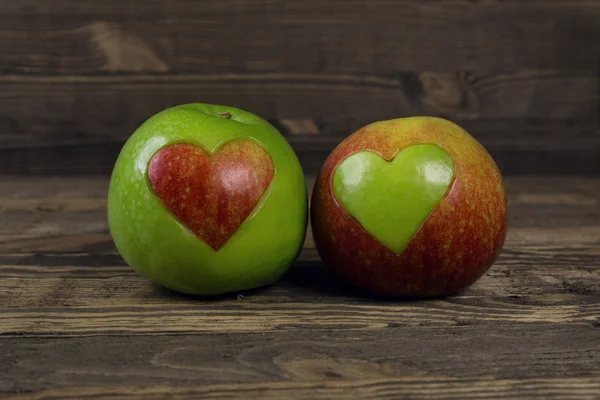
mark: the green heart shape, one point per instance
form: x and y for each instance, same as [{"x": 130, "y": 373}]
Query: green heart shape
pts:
[{"x": 393, "y": 199}]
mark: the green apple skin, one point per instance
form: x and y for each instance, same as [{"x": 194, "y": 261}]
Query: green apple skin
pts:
[
  {"x": 427, "y": 223},
  {"x": 162, "y": 249}
]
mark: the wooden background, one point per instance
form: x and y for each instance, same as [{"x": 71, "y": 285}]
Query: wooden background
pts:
[{"x": 77, "y": 77}]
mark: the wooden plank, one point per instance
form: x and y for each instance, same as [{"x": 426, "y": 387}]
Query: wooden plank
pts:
[
  {"x": 110, "y": 107},
  {"x": 92, "y": 109},
  {"x": 526, "y": 287},
  {"x": 77, "y": 124},
  {"x": 575, "y": 156},
  {"x": 556, "y": 361},
  {"x": 76, "y": 322},
  {"x": 431, "y": 388},
  {"x": 549, "y": 272},
  {"x": 310, "y": 36}
]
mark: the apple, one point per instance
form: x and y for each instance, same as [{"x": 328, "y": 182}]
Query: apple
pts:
[
  {"x": 410, "y": 207},
  {"x": 208, "y": 199}
]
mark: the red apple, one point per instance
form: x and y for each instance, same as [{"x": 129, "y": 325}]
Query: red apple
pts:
[{"x": 410, "y": 207}]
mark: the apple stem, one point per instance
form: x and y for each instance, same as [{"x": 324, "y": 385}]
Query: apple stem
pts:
[{"x": 225, "y": 115}]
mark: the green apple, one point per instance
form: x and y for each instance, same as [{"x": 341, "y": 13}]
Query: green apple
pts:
[
  {"x": 208, "y": 199},
  {"x": 410, "y": 207}
]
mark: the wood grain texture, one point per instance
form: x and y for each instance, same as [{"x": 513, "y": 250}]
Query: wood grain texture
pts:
[
  {"x": 399, "y": 361},
  {"x": 518, "y": 147},
  {"x": 110, "y": 300},
  {"x": 430, "y": 388},
  {"x": 76, "y": 80},
  {"x": 101, "y": 108},
  {"x": 534, "y": 94},
  {"x": 532, "y": 122},
  {"x": 76, "y": 322},
  {"x": 311, "y": 36},
  {"x": 65, "y": 256}
]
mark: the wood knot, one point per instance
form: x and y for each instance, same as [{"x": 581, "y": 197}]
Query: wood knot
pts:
[
  {"x": 124, "y": 50},
  {"x": 447, "y": 93}
]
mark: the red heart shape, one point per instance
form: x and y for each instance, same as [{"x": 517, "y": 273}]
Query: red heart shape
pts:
[{"x": 211, "y": 194}]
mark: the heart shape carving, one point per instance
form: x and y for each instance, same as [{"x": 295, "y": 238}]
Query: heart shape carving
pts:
[
  {"x": 211, "y": 194},
  {"x": 392, "y": 199}
]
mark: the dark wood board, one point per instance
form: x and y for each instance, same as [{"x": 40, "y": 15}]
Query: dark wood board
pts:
[
  {"x": 518, "y": 147},
  {"x": 456, "y": 362},
  {"x": 77, "y": 79},
  {"x": 76, "y": 322},
  {"x": 84, "y": 109},
  {"x": 313, "y": 36},
  {"x": 532, "y": 122}
]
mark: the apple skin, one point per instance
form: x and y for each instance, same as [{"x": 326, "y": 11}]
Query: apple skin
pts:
[
  {"x": 458, "y": 242},
  {"x": 162, "y": 248},
  {"x": 211, "y": 194}
]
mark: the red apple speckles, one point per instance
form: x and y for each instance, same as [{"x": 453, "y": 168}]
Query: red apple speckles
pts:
[
  {"x": 211, "y": 194},
  {"x": 455, "y": 246}
]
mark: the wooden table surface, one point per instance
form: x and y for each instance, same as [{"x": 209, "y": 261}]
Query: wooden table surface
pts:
[{"x": 76, "y": 322}]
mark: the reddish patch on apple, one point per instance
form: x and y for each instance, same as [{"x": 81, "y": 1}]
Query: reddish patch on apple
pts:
[{"x": 212, "y": 194}]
